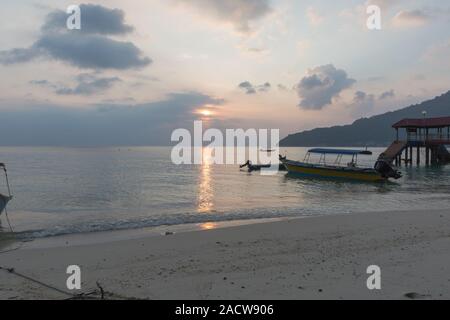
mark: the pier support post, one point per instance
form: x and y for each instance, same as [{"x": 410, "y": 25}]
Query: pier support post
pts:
[
  {"x": 411, "y": 155},
  {"x": 434, "y": 155},
  {"x": 406, "y": 156},
  {"x": 427, "y": 156},
  {"x": 418, "y": 155}
]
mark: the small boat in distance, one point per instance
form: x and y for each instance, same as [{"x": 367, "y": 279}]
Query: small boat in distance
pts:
[
  {"x": 253, "y": 167},
  {"x": 257, "y": 167},
  {"x": 382, "y": 171}
]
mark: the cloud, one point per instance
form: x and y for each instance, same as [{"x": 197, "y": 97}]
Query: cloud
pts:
[
  {"x": 362, "y": 103},
  {"x": 383, "y": 4},
  {"x": 314, "y": 18},
  {"x": 107, "y": 124},
  {"x": 251, "y": 89},
  {"x": 89, "y": 84},
  {"x": 248, "y": 87},
  {"x": 264, "y": 87},
  {"x": 90, "y": 49},
  {"x": 387, "y": 94},
  {"x": 321, "y": 85},
  {"x": 18, "y": 55},
  {"x": 45, "y": 83},
  {"x": 255, "y": 51},
  {"x": 95, "y": 19},
  {"x": 239, "y": 13},
  {"x": 407, "y": 19},
  {"x": 362, "y": 97},
  {"x": 438, "y": 54},
  {"x": 40, "y": 82}
]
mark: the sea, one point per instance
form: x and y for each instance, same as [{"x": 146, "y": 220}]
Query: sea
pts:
[{"x": 61, "y": 191}]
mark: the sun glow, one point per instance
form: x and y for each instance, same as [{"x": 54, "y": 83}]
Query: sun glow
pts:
[{"x": 205, "y": 113}]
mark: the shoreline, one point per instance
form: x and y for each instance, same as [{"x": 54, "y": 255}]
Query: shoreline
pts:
[
  {"x": 319, "y": 257},
  {"x": 107, "y": 236}
]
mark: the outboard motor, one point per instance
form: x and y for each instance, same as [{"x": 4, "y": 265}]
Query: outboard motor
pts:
[
  {"x": 247, "y": 164},
  {"x": 386, "y": 171}
]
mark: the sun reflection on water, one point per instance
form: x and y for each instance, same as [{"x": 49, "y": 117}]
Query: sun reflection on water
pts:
[{"x": 205, "y": 190}]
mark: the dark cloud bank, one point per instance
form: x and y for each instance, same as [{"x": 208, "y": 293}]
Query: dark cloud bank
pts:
[{"x": 106, "y": 125}]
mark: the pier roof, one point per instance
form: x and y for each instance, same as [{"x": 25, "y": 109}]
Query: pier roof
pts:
[{"x": 423, "y": 123}]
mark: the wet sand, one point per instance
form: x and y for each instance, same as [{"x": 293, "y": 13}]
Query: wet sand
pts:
[{"x": 318, "y": 257}]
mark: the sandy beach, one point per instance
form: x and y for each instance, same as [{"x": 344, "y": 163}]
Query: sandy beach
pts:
[{"x": 318, "y": 257}]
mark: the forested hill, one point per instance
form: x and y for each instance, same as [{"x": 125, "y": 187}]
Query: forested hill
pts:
[{"x": 373, "y": 131}]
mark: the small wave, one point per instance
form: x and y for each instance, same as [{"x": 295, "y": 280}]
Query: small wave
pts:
[{"x": 168, "y": 220}]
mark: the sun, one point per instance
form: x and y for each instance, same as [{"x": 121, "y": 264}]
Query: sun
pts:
[{"x": 205, "y": 113}]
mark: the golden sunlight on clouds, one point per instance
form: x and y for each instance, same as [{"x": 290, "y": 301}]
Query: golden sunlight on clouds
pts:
[{"x": 405, "y": 19}]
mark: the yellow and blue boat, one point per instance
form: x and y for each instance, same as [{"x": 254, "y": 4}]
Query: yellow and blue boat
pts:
[{"x": 382, "y": 170}]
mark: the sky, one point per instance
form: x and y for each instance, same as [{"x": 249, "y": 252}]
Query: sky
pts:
[{"x": 138, "y": 69}]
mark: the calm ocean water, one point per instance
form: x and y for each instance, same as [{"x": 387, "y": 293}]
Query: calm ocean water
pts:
[{"x": 72, "y": 190}]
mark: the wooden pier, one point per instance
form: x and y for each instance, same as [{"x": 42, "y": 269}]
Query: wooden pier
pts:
[{"x": 430, "y": 135}]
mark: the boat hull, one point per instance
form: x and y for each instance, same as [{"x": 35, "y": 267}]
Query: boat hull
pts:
[
  {"x": 318, "y": 171},
  {"x": 3, "y": 202}
]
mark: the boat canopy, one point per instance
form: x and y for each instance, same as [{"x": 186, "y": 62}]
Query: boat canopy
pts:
[{"x": 339, "y": 151}]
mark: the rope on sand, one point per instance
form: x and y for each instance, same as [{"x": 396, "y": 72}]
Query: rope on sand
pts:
[
  {"x": 12, "y": 271},
  {"x": 13, "y": 249},
  {"x": 94, "y": 295}
]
